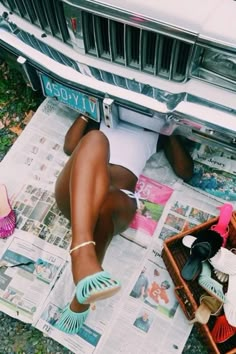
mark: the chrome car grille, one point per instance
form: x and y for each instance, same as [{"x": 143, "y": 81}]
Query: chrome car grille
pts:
[
  {"x": 45, "y": 49},
  {"x": 46, "y": 14},
  {"x": 134, "y": 47}
]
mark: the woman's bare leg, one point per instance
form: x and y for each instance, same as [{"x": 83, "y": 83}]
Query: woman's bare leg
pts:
[
  {"x": 83, "y": 194},
  {"x": 80, "y": 191}
]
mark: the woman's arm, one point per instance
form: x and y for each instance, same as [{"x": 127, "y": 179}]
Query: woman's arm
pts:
[
  {"x": 78, "y": 129},
  {"x": 178, "y": 156}
]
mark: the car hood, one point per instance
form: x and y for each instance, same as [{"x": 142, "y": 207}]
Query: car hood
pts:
[
  {"x": 221, "y": 25},
  {"x": 210, "y": 19}
]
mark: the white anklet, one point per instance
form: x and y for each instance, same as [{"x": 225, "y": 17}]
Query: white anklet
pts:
[{"x": 82, "y": 245}]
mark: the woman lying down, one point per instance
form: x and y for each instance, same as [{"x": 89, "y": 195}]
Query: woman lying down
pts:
[{"x": 96, "y": 192}]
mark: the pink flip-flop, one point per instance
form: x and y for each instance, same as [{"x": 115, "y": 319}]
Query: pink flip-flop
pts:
[
  {"x": 222, "y": 226},
  {"x": 7, "y": 215}
]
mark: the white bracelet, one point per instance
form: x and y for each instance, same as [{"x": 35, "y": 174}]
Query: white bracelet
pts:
[{"x": 84, "y": 118}]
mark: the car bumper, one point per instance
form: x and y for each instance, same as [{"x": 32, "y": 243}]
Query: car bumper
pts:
[{"x": 183, "y": 113}]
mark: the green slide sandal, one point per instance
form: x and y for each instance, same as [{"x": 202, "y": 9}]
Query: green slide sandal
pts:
[{"x": 95, "y": 287}]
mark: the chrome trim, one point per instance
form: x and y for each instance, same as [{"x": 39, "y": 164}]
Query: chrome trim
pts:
[
  {"x": 116, "y": 13},
  {"x": 209, "y": 138},
  {"x": 16, "y": 22},
  {"x": 43, "y": 13},
  {"x": 218, "y": 80},
  {"x": 30, "y": 74},
  {"x": 76, "y": 79},
  {"x": 208, "y": 42},
  {"x": 207, "y": 75},
  {"x": 43, "y": 48},
  {"x": 208, "y": 116},
  {"x": 137, "y": 81},
  {"x": 110, "y": 113}
]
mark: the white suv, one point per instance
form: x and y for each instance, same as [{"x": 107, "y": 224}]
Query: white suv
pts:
[{"x": 166, "y": 65}]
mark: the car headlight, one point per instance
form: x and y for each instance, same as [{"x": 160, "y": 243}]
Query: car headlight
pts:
[{"x": 220, "y": 63}]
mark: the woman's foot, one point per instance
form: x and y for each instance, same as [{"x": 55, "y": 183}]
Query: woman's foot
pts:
[
  {"x": 75, "y": 306},
  {"x": 92, "y": 283},
  {"x": 70, "y": 321}
]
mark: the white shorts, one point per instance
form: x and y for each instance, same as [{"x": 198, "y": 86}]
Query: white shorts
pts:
[{"x": 130, "y": 146}]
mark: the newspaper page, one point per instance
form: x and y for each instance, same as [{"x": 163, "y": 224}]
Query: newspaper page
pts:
[
  {"x": 215, "y": 173},
  {"x": 182, "y": 214},
  {"x": 28, "y": 271},
  {"x": 36, "y": 159},
  {"x": 152, "y": 198},
  {"x": 37, "y": 212},
  {"x": 149, "y": 319},
  {"x": 37, "y": 155}
]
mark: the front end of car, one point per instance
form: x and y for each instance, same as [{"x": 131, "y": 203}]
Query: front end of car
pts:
[{"x": 151, "y": 64}]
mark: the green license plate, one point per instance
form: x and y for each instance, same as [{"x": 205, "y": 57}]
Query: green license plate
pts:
[{"x": 79, "y": 101}]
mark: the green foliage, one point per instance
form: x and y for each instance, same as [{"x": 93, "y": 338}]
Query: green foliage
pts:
[{"x": 15, "y": 97}]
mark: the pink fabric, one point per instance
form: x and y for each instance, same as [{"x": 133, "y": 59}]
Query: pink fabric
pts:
[{"x": 7, "y": 222}]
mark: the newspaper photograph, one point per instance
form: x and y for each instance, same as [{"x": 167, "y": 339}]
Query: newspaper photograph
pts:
[
  {"x": 37, "y": 212},
  {"x": 153, "y": 287},
  {"x": 39, "y": 159},
  {"x": 215, "y": 173},
  {"x": 152, "y": 198},
  {"x": 183, "y": 214}
]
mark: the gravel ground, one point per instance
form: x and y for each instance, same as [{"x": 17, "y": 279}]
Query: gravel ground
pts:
[{"x": 17, "y": 105}]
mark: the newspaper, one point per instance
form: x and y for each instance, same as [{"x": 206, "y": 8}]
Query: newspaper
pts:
[
  {"x": 149, "y": 321},
  {"x": 125, "y": 323},
  {"x": 37, "y": 212},
  {"x": 37, "y": 156},
  {"x": 181, "y": 214},
  {"x": 28, "y": 271},
  {"x": 152, "y": 198},
  {"x": 215, "y": 173}
]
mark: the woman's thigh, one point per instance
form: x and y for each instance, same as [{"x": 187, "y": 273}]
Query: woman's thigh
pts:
[
  {"x": 123, "y": 215},
  {"x": 84, "y": 162},
  {"x": 118, "y": 210},
  {"x": 62, "y": 190},
  {"x": 115, "y": 216}
]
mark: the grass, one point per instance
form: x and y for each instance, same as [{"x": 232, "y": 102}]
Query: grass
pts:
[{"x": 17, "y": 104}]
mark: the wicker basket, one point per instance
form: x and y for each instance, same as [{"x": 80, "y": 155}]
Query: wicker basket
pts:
[{"x": 188, "y": 293}]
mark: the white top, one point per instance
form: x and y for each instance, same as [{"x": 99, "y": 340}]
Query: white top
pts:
[{"x": 130, "y": 146}]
